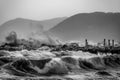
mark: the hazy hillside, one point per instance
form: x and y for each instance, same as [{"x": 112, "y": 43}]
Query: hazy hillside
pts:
[
  {"x": 26, "y": 27},
  {"x": 93, "y": 26},
  {"x": 48, "y": 24},
  {"x": 22, "y": 27}
]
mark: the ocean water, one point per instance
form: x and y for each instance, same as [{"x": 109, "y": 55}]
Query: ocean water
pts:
[{"x": 46, "y": 65}]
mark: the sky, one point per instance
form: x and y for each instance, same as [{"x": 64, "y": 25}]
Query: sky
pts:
[{"x": 47, "y": 9}]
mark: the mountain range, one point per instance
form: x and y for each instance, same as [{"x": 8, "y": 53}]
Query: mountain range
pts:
[
  {"x": 92, "y": 26},
  {"x": 26, "y": 28}
]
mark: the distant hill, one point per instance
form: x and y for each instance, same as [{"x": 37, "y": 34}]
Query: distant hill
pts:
[
  {"x": 23, "y": 27},
  {"x": 93, "y": 26},
  {"x": 48, "y": 24},
  {"x": 30, "y": 29},
  {"x": 26, "y": 27}
]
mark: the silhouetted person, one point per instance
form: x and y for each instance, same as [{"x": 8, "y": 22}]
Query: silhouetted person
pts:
[
  {"x": 109, "y": 43},
  {"x": 112, "y": 43},
  {"x": 104, "y": 43},
  {"x": 86, "y": 43}
]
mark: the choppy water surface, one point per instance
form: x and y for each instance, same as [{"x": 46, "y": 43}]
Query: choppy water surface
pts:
[{"x": 40, "y": 64}]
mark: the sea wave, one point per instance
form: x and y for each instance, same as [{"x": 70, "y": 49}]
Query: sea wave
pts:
[{"x": 37, "y": 63}]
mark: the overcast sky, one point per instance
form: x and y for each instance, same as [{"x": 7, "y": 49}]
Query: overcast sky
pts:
[{"x": 46, "y": 9}]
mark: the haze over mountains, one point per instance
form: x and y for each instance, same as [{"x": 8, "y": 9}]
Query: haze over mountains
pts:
[
  {"x": 48, "y": 24},
  {"x": 92, "y": 26},
  {"x": 25, "y": 27}
]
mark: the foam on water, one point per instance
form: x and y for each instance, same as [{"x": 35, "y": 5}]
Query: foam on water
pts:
[{"x": 39, "y": 63}]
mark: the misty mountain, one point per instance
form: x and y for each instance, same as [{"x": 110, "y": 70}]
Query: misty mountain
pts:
[
  {"x": 25, "y": 27},
  {"x": 92, "y": 26},
  {"x": 22, "y": 27},
  {"x": 48, "y": 24}
]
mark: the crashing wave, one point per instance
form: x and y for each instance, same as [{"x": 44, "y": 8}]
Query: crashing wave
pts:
[{"x": 43, "y": 63}]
